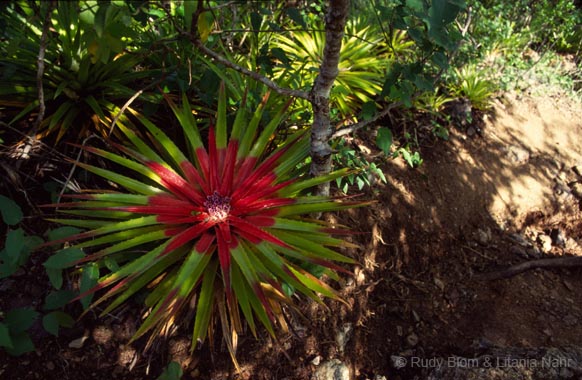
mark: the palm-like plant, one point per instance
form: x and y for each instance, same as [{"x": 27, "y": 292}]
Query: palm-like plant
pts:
[
  {"x": 222, "y": 225},
  {"x": 87, "y": 74},
  {"x": 363, "y": 61},
  {"x": 472, "y": 84}
]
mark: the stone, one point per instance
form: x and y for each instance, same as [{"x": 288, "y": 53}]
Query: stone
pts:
[
  {"x": 342, "y": 336},
  {"x": 484, "y": 236},
  {"x": 79, "y": 342},
  {"x": 316, "y": 360},
  {"x": 545, "y": 242},
  {"x": 518, "y": 155},
  {"x": 521, "y": 240},
  {"x": 577, "y": 169},
  {"x": 332, "y": 370},
  {"x": 577, "y": 190},
  {"x": 412, "y": 339},
  {"x": 558, "y": 237}
]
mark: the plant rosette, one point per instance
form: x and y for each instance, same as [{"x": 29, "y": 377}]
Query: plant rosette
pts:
[{"x": 222, "y": 228}]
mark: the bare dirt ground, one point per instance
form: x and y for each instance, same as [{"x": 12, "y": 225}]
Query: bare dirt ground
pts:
[{"x": 478, "y": 204}]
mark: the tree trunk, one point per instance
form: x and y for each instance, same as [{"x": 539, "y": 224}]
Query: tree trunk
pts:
[{"x": 321, "y": 131}]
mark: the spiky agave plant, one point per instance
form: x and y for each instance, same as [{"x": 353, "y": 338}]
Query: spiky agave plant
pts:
[{"x": 222, "y": 228}]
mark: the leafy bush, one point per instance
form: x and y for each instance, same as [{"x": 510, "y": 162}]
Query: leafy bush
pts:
[{"x": 221, "y": 225}]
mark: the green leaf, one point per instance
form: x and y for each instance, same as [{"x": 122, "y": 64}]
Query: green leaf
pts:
[
  {"x": 172, "y": 372},
  {"x": 11, "y": 211},
  {"x": 64, "y": 258},
  {"x": 58, "y": 299},
  {"x": 53, "y": 320},
  {"x": 88, "y": 280},
  {"x": 384, "y": 139},
  {"x": 21, "y": 344},
  {"x": 63, "y": 232},
  {"x": 368, "y": 110},
  {"x": 295, "y": 15},
  {"x": 5, "y": 340},
  {"x": 14, "y": 245},
  {"x": 256, "y": 21},
  {"x": 55, "y": 277},
  {"x": 20, "y": 320},
  {"x": 189, "y": 9}
]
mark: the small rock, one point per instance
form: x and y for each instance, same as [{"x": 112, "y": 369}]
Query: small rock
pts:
[
  {"x": 342, "y": 336},
  {"x": 471, "y": 131},
  {"x": 484, "y": 236},
  {"x": 50, "y": 366},
  {"x": 562, "y": 176},
  {"x": 378, "y": 377},
  {"x": 79, "y": 342},
  {"x": 577, "y": 190},
  {"x": 518, "y": 155},
  {"x": 558, "y": 237},
  {"x": 577, "y": 169},
  {"x": 548, "y": 332},
  {"x": 316, "y": 360},
  {"x": 332, "y": 370},
  {"x": 399, "y": 331},
  {"x": 545, "y": 242},
  {"x": 415, "y": 316},
  {"x": 439, "y": 283},
  {"x": 521, "y": 240},
  {"x": 412, "y": 340}
]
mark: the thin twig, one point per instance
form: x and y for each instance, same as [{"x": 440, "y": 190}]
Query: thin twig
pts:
[
  {"x": 354, "y": 127},
  {"x": 131, "y": 100},
  {"x": 39, "y": 74},
  {"x": 256, "y": 76},
  {"x": 70, "y": 176},
  {"x": 561, "y": 262}
]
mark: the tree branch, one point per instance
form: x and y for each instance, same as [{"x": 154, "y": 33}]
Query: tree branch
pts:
[
  {"x": 361, "y": 124},
  {"x": 256, "y": 76},
  {"x": 321, "y": 131},
  {"x": 561, "y": 262}
]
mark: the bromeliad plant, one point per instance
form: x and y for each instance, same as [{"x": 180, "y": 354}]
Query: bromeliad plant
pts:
[{"x": 221, "y": 227}]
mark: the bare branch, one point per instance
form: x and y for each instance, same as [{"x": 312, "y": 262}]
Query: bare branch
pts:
[
  {"x": 560, "y": 262},
  {"x": 256, "y": 76},
  {"x": 354, "y": 127}
]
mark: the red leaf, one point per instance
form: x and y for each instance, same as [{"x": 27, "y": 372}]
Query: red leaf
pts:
[
  {"x": 204, "y": 243},
  {"x": 194, "y": 177},
  {"x": 254, "y": 234},
  {"x": 223, "y": 257},
  {"x": 229, "y": 165},
  {"x": 186, "y": 236},
  {"x": 260, "y": 220},
  {"x": 176, "y": 184},
  {"x": 215, "y": 165}
]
